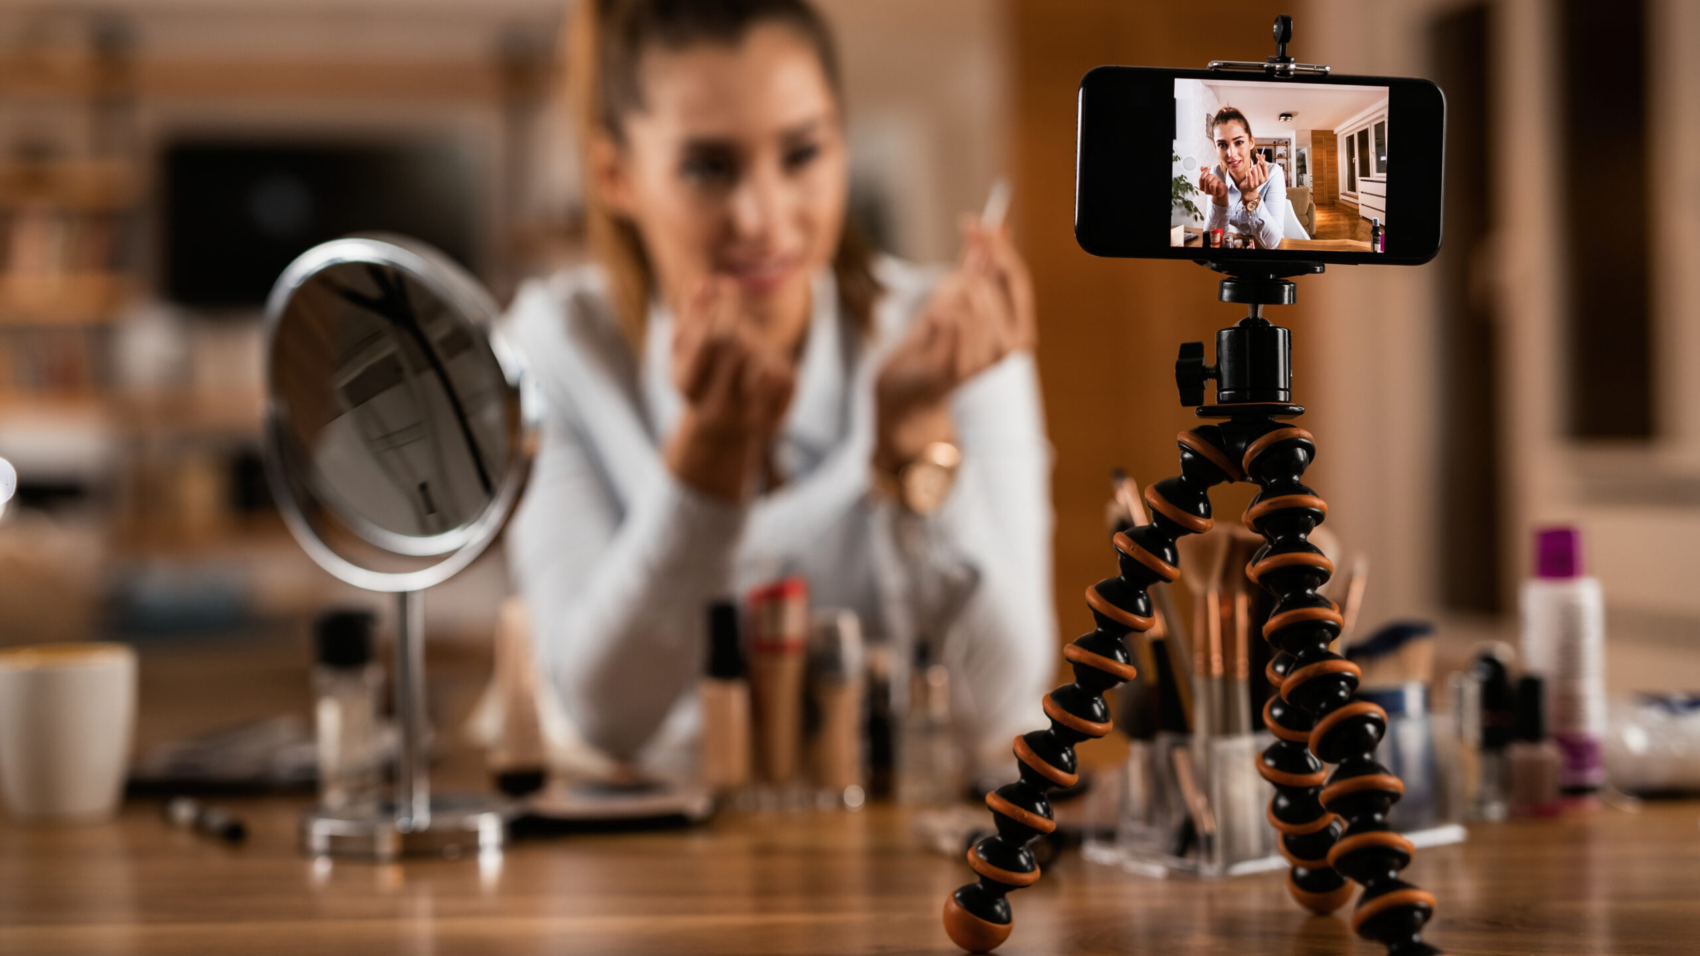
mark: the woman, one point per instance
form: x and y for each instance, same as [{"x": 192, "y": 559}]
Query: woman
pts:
[
  {"x": 736, "y": 374},
  {"x": 1248, "y": 195}
]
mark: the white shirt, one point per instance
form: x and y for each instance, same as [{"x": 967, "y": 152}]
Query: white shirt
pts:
[
  {"x": 1267, "y": 224},
  {"x": 618, "y": 560}
]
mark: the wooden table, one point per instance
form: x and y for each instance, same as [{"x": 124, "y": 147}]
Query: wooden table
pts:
[{"x": 803, "y": 883}]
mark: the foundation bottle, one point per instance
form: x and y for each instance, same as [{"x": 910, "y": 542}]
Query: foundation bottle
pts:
[{"x": 725, "y": 699}]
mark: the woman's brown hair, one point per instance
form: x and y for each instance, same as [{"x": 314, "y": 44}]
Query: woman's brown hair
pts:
[
  {"x": 1228, "y": 114},
  {"x": 605, "y": 45}
]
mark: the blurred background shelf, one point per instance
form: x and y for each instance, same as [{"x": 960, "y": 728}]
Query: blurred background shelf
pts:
[
  {"x": 89, "y": 185},
  {"x": 64, "y": 298}
]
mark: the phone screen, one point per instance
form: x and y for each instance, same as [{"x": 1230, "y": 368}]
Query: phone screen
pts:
[
  {"x": 1223, "y": 166},
  {"x": 1236, "y": 150}
]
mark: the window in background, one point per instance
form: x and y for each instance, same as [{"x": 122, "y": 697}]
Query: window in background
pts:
[{"x": 1603, "y": 155}]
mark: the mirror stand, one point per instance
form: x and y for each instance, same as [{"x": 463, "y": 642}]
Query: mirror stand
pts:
[
  {"x": 413, "y": 822},
  {"x": 398, "y": 441}
]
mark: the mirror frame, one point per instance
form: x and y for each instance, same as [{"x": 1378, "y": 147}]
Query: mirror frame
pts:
[{"x": 307, "y": 516}]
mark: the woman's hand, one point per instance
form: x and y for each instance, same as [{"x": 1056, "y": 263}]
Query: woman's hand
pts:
[
  {"x": 1255, "y": 177},
  {"x": 1212, "y": 185},
  {"x": 736, "y": 388},
  {"x": 980, "y": 312}
]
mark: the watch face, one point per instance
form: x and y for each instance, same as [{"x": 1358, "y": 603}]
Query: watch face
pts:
[{"x": 926, "y": 485}]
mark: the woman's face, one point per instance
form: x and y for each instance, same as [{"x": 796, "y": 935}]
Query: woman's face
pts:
[
  {"x": 735, "y": 167},
  {"x": 1234, "y": 145}
]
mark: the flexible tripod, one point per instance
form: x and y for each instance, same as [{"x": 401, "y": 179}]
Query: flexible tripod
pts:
[{"x": 1332, "y": 827}]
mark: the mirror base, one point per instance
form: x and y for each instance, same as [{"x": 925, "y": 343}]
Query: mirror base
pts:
[{"x": 460, "y": 825}]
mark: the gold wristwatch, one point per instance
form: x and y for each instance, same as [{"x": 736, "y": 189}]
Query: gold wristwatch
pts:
[{"x": 923, "y": 483}]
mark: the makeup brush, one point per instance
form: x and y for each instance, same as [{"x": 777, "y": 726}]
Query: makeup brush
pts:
[
  {"x": 1236, "y": 608},
  {"x": 1398, "y": 653}
]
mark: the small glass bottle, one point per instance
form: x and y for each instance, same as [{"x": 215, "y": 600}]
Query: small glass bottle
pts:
[
  {"x": 1498, "y": 713},
  {"x": 346, "y": 685},
  {"x": 930, "y": 767}
]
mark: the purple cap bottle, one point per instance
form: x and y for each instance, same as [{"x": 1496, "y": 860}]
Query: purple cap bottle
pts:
[{"x": 1558, "y": 553}]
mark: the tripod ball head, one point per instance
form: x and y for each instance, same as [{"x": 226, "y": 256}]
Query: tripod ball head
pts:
[{"x": 1254, "y": 365}]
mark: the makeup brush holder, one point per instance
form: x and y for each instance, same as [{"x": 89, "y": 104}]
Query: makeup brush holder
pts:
[{"x": 1190, "y": 810}]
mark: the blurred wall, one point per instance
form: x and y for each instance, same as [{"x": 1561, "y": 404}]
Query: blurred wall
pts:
[
  {"x": 1379, "y": 372},
  {"x": 929, "y": 87}
]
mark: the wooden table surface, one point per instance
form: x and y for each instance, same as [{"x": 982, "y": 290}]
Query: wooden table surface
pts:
[{"x": 801, "y": 883}]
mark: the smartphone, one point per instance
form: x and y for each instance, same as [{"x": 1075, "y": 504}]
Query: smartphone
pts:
[{"x": 1374, "y": 149}]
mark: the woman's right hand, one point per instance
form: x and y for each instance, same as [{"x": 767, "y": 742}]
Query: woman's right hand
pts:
[
  {"x": 1214, "y": 186},
  {"x": 736, "y": 388}
]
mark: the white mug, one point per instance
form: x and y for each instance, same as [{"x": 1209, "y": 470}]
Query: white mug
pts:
[{"x": 67, "y": 712}]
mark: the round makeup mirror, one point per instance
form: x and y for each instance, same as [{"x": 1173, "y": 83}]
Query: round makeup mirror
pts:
[{"x": 398, "y": 439}]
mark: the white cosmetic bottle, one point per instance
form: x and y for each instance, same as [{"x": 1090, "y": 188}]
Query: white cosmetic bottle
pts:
[{"x": 1564, "y": 644}]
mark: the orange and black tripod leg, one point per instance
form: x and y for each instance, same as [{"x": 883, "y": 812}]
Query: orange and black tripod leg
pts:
[
  {"x": 1308, "y": 831},
  {"x": 977, "y": 916},
  {"x": 1341, "y": 731}
]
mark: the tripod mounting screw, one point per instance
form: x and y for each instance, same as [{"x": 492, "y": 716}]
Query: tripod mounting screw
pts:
[{"x": 1191, "y": 373}]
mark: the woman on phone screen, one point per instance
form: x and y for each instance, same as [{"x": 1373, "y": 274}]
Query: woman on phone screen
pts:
[
  {"x": 736, "y": 388},
  {"x": 1248, "y": 195}
]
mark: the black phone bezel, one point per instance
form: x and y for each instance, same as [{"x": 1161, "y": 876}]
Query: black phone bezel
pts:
[{"x": 1122, "y": 177}]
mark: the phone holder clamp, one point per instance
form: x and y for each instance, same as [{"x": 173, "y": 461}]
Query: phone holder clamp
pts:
[{"x": 1280, "y": 64}]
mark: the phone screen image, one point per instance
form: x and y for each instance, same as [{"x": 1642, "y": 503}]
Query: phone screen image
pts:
[{"x": 1279, "y": 166}]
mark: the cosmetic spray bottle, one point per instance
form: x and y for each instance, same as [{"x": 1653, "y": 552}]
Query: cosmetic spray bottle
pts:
[
  {"x": 1564, "y": 644},
  {"x": 346, "y": 687},
  {"x": 725, "y": 699}
]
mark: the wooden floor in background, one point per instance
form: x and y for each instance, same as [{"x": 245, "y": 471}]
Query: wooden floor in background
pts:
[{"x": 1341, "y": 221}]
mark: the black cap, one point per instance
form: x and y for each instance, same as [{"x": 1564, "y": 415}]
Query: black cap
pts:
[
  {"x": 725, "y": 650},
  {"x": 1499, "y": 703},
  {"x": 343, "y": 638},
  {"x": 1531, "y": 710}
]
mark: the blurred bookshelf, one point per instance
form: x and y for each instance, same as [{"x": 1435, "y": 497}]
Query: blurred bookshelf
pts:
[
  {"x": 138, "y": 493},
  {"x": 130, "y": 389}
]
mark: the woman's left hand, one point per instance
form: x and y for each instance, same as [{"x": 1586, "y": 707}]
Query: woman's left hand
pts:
[{"x": 980, "y": 313}]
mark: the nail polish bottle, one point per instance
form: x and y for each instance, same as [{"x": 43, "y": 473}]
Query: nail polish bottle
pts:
[
  {"x": 1535, "y": 759},
  {"x": 1497, "y": 715}
]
